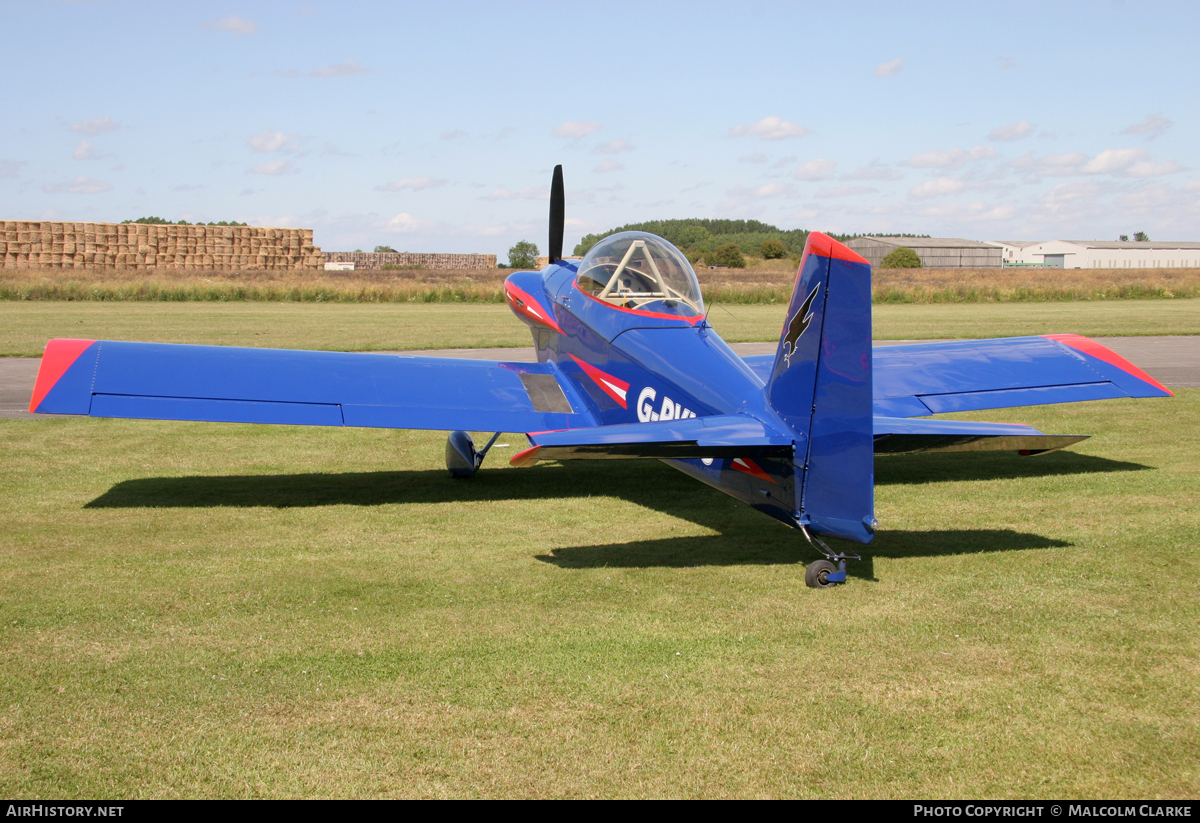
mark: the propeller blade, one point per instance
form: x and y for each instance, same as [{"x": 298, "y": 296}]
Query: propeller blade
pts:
[{"x": 557, "y": 215}]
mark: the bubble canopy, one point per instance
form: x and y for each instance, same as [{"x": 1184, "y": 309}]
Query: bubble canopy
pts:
[{"x": 638, "y": 270}]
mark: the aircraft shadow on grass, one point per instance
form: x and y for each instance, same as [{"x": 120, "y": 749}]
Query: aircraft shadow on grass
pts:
[{"x": 743, "y": 537}]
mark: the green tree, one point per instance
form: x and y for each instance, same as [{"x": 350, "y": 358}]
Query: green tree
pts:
[
  {"x": 1141, "y": 237},
  {"x": 773, "y": 249},
  {"x": 901, "y": 258},
  {"x": 1124, "y": 238},
  {"x": 523, "y": 255},
  {"x": 385, "y": 250},
  {"x": 729, "y": 255}
]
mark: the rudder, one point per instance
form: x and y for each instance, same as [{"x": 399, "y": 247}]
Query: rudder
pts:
[{"x": 821, "y": 386}]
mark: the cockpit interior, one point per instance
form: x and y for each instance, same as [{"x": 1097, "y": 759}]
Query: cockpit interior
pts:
[{"x": 638, "y": 270}]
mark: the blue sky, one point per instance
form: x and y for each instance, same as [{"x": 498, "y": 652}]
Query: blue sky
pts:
[{"x": 435, "y": 127}]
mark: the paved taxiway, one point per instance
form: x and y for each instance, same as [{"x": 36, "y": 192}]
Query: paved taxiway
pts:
[{"x": 1173, "y": 361}]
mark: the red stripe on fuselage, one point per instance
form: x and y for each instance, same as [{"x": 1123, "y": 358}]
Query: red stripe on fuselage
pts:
[
  {"x": 751, "y": 468},
  {"x": 524, "y": 304},
  {"x": 612, "y": 386},
  {"x": 59, "y": 356},
  {"x": 1088, "y": 346}
]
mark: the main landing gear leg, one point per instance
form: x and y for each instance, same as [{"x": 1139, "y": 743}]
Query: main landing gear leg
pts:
[
  {"x": 823, "y": 574},
  {"x": 461, "y": 458}
]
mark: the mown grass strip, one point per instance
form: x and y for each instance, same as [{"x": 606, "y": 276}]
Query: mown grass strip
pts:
[
  {"x": 26, "y": 326},
  {"x": 207, "y": 610}
]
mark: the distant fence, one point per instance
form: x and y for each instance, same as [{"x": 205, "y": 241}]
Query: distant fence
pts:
[
  {"x": 54, "y": 245},
  {"x": 377, "y": 260}
]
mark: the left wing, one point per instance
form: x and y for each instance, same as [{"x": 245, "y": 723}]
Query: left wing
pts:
[{"x": 243, "y": 385}]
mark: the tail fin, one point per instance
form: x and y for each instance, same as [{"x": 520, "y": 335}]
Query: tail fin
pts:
[{"x": 821, "y": 386}]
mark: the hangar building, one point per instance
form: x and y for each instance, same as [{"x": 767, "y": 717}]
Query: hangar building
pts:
[
  {"x": 935, "y": 252},
  {"x": 1100, "y": 254}
]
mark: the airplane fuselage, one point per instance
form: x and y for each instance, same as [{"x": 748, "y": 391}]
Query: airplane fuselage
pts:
[{"x": 634, "y": 366}]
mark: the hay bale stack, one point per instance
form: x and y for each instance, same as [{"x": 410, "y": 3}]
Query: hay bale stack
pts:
[{"x": 40, "y": 244}]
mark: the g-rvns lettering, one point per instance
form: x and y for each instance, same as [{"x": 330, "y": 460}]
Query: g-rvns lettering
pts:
[{"x": 669, "y": 410}]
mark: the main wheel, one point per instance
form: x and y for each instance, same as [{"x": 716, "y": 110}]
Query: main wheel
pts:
[{"x": 817, "y": 573}]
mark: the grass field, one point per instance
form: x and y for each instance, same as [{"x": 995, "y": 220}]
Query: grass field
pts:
[
  {"x": 26, "y": 326},
  {"x": 765, "y": 282},
  {"x": 252, "y": 611}
]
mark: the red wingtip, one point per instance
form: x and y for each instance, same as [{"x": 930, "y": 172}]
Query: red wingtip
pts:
[
  {"x": 823, "y": 245},
  {"x": 59, "y": 356},
  {"x": 1089, "y": 346},
  {"x": 526, "y": 458}
]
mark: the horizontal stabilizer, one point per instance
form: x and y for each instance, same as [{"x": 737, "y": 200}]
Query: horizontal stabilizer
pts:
[
  {"x": 903, "y": 436},
  {"x": 729, "y": 435}
]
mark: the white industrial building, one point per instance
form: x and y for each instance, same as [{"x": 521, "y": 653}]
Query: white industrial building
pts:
[{"x": 1099, "y": 254}]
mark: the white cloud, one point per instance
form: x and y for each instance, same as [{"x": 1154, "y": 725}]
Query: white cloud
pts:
[
  {"x": 1065, "y": 164},
  {"x": 575, "y": 129},
  {"x": 270, "y": 141},
  {"x": 1013, "y": 131},
  {"x": 1071, "y": 192},
  {"x": 80, "y": 185},
  {"x": 951, "y": 159},
  {"x": 531, "y": 193},
  {"x": 275, "y": 167},
  {"x": 845, "y": 191},
  {"x": 347, "y": 69},
  {"x": 936, "y": 188},
  {"x": 1128, "y": 163},
  {"x": 96, "y": 125},
  {"x": 770, "y": 128},
  {"x": 969, "y": 212},
  {"x": 404, "y": 223},
  {"x": 614, "y": 147},
  {"x": 84, "y": 151},
  {"x": 232, "y": 24},
  {"x": 873, "y": 171},
  {"x": 9, "y": 168},
  {"x": 1152, "y": 126},
  {"x": 805, "y": 214},
  {"x": 453, "y": 135},
  {"x": 756, "y": 157},
  {"x": 1005, "y": 63},
  {"x": 761, "y": 192},
  {"x": 1191, "y": 185},
  {"x": 1148, "y": 169},
  {"x": 413, "y": 183},
  {"x": 819, "y": 169},
  {"x": 608, "y": 165},
  {"x": 1117, "y": 162},
  {"x": 888, "y": 69}
]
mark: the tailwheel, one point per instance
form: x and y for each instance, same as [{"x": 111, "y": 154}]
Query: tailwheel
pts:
[{"x": 817, "y": 575}]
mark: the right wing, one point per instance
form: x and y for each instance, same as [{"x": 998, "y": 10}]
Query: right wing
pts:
[{"x": 244, "y": 385}]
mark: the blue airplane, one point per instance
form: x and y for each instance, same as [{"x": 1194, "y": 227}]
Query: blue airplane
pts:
[{"x": 629, "y": 367}]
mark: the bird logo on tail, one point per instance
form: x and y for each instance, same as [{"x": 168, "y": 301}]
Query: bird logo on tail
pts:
[{"x": 797, "y": 326}]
